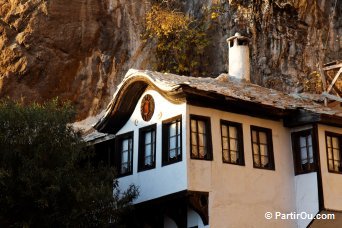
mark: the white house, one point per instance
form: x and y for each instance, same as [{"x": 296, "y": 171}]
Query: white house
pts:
[{"x": 222, "y": 152}]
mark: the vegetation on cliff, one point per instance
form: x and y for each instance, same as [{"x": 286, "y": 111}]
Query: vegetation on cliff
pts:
[{"x": 180, "y": 40}]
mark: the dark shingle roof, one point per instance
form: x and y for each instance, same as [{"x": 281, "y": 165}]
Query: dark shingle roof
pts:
[
  {"x": 238, "y": 96},
  {"x": 238, "y": 89}
]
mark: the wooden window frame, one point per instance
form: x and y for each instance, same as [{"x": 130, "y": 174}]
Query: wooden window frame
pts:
[
  {"x": 269, "y": 142},
  {"x": 296, "y": 150},
  {"x": 240, "y": 148},
  {"x": 339, "y": 136},
  {"x": 141, "y": 153},
  {"x": 206, "y": 120},
  {"x": 166, "y": 160},
  {"x": 118, "y": 155}
]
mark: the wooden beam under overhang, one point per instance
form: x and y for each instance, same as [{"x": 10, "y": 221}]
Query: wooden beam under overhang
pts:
[
  {"x": 335, "y": 121},
  {"x": 290, "y": 117},
  {"x": 302, "y": 117},
  {"x": 211, "y": 99}
]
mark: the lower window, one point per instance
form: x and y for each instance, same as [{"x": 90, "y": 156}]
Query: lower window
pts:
[
  {"x": 124, "y": 159},
  {"x": 303, "y": 151},
  {"x": 104, "y": 153},
  {"x": 334, "y": 145}
]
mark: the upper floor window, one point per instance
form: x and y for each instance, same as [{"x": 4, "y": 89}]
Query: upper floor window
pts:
[
  {"x": 262, "y": 147},
  {"x": 232, "y": 142},
  {"x": 334, "y": 145},
  {"x": 172, "y": 140},
  {"x": 303, "y": 152},
  {"x": 147, "y": 148},
  {"x": 124, "y": 161},
  {"x": 200, "y": 137}
]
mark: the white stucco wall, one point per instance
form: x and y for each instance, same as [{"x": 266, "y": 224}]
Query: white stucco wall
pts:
[
  {"x": 306, "y": 196},
  {"x": 159, "y": 181},
  {"x": 239, "y": 196},
  {"x": 332, "y": 182}
]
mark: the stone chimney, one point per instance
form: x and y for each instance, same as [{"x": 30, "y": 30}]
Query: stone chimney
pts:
[{"x": 239, "y": 63}]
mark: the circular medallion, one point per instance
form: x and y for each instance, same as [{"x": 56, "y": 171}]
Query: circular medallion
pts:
[{"x": 147, "y": 107}]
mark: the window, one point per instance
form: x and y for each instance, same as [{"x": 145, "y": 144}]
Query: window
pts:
[
  {"x": 200, "y": 137},
  {"x": 262, "y": 148},
  {"x": 334, "y": 145},
  {"x": 124, "y": 160},
  {"x": 147, "y": 148},
  {"x": 232, "y": 143},
  {"x": 303, "y": 152},
  {"x": 172, "y": 140},
  {"x": 104, "y": 153}
]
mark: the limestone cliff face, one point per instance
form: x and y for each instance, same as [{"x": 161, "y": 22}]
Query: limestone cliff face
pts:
[{"x": 79, "y": 50}]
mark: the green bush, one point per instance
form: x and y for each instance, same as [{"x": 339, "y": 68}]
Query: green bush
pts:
[{"x": 46, "y": 175}]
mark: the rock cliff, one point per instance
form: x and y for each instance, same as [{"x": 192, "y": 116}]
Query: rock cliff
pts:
[{"x": 79, "y": 50}]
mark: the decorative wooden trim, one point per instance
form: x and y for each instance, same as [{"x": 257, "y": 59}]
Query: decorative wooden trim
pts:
[
  {"x": 199, "y": 202},
  {"x": 147, "y": 107},
  {"x": 153, "y": 211}
]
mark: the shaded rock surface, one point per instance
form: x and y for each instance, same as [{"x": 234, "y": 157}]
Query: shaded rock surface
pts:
[{"x": 80, "y": 50}]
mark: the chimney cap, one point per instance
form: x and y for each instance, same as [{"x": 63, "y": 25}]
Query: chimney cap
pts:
[{"x": 238, "y": 36}]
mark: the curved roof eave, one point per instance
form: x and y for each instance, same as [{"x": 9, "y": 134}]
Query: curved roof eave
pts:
[{"x": 127, "y": 95}]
